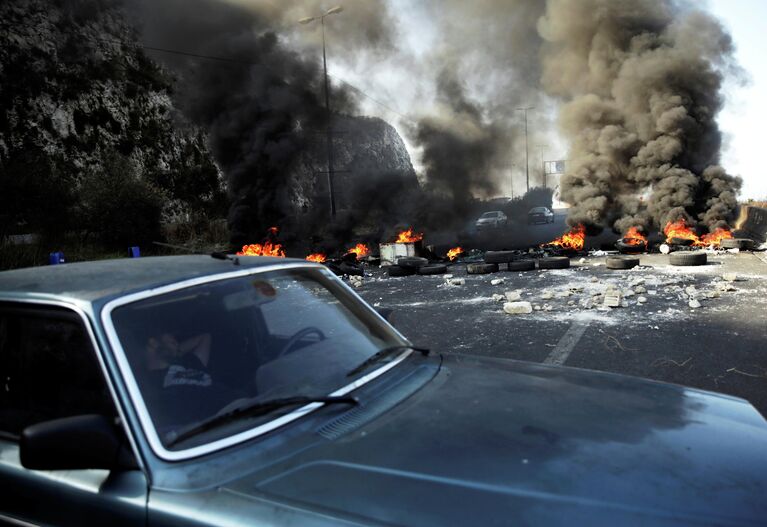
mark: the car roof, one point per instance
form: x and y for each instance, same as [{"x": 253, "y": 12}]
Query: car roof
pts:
[{"x": 91, "y": 281}]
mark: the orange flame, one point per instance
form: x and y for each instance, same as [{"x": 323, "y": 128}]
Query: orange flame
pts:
[
  {"x": 360, "y": 250},
  {"x": 317, "y": 257},
  {"x": 268, "y": 248},
  {"x": 262, "y": 249},
  {"x": 575, "y": 239},
  {"x": 634, "y": 237},
  {"x": 409, "y": 236},
  {"x": 716, "y": 237},
  {"x": 680, "y": 229},
  {"x": 453, "y": 253}
]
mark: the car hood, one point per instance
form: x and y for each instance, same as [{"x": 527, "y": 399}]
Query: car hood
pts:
[{"x": 503, "y": 442}]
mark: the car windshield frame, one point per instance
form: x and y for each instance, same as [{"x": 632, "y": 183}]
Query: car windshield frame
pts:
[{"x": 137, "y": 398}]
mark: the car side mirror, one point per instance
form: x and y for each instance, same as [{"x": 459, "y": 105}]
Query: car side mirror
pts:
[{"x": 72, "y": 443}]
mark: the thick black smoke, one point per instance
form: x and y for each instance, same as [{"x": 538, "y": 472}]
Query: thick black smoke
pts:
[
  {"x": 642, "y": 84},
  {"x": 259, "y": 107}
]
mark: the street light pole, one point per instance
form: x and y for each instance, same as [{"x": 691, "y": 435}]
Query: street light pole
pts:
[
  {"x": 329, "y": 116},
  {"x": 543, "y": 165},
  {"x": 527, "y": 163}
]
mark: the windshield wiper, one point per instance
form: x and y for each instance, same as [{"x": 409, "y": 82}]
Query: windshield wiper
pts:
[
  {"x": 253, "y": 410},
  {"x": 383, "y": 353}
]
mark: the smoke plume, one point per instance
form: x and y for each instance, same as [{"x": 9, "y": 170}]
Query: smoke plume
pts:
[{"x": 641, "y": 82}]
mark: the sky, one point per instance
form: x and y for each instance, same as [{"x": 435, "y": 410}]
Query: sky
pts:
[{"x": 745, "y": 114}]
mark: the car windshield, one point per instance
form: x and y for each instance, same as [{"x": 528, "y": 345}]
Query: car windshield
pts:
[
  {"x": 538, "y": 209},
  {"x": 490, "y": 215},
  {"x": 287, "y": 333}
]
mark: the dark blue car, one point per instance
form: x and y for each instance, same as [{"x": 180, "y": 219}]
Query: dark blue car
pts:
[{"x": 199, "y": 391}]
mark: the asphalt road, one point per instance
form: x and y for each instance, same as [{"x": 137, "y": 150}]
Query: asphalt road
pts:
[{"x": 720, "y": 346}]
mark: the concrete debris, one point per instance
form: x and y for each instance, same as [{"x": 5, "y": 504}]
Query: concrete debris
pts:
[
  {"x": 724, "y": 287},
  {"x": 713, "y": 294},
  {"x": 624, "y": 304},
  {"x": 536, "y": 307},
  {"x": 642, "y": 299},
  {"x": 518, "y": 308},
  {"x": 563, "y": 294},
  {"x": 733, "y": 251},
  {"x": 497, "y": 281},
  {"x": 446, "y": 276},
  {"x": 690, "y": 290},
  {"x": 498, "y": 298},
  {"x": 586, "y": 303},
  {"x": 582, "y": 261},
  {"x": 612, "y": 298},
  {"x": 640, "y": 289},
  {"x": 594, "y": 279},
  {"x": 664, "y": 248},
  {"x": 547, "y": 295},
  {"x": 731, "y": 277},
  {"x": 636, "y": 281},
  {"x": 628, "y": 293},
  {"x": 355, "y": 281},
  {"x": 571, "y": 302},
  {"x": 513, "y": 296},
  {"x": 455, "y": 281},
  {"x": 547, "y": 307},
  {"x": 576, "y": 289},
  {"x": 693, "y": 304}
]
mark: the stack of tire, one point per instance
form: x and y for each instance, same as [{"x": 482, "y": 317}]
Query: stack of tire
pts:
[
  {"x": 744, "y": 244},
  {"x": 494, "y": 259},
  {"x": 411, "y": 265}
]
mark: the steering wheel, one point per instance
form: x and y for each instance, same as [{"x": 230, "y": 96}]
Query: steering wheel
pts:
[{"x": 292, "y": 341}]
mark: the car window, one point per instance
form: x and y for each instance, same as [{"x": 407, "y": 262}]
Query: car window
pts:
[
  {"x": 48, "y": 369},
  {"x": 275, "y": 334},
  {"x": 489, "y": 214}
]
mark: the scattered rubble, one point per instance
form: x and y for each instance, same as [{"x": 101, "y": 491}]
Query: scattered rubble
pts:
[
  {"x": 498, "y": 298},
  {"x": 513, "y": 296},
  {"x": 694, "y": 304},
  {"x": 455, "y": 281},
  {"x": 518, "y": 308},
  {"x": 497, "y": 281},
  {"x": 612, "y": 298}
]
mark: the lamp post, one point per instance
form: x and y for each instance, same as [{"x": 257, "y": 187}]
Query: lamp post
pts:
[
  {"x": 527, "y": 163},
  {"x": 308, "y": 20}
]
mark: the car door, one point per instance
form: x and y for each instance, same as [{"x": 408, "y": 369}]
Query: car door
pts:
[{"x": 49, "y": 370}]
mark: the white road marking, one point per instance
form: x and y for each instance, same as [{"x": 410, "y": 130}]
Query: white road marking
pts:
[{"x": 567, "y": 342}]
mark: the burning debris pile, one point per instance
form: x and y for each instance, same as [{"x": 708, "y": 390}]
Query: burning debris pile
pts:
[{"x": 642, "y": 85}]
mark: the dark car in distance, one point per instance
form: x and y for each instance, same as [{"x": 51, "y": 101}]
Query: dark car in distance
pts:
[
  {"x": 540, "y": 215},
  {"x": 198, "y": 391}
]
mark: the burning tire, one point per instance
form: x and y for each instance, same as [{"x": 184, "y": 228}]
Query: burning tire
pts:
[
  {"x": 554, "y": 262},
  {"x": 432, "y": 269},
  {"x": 481, "y": 268},
  {"x": 621, "y": 262},
  {"x": 688, "y": 258},
  {"x": 522, "y": 265},
  {"x": 497, "y": 257},
  {"x": 681, "y": 241},
  {"x": 396, "y": 270},
  {"x": 737, "y": 243},
  {"x": 630, "y": 248},
  {"x": 412, "y": 262}
]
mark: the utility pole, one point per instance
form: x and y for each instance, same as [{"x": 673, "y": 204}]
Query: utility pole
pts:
[
  {"x": 527, "y": 163},
  {"x": 543, "y": 164},
  {"x": 331, "y": 169}
]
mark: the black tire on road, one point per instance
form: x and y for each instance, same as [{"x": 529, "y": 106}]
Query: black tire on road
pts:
[
  {"x": 522, "y": 265},
  {"x": 737, "y": 243},
  {"x": 621, "y": 262},
  {"x": 351, "y": 269},
  {"x": 688, "y": 258},
  {"x": 432, "y": 269},
  {"x": 680, "y": 241},
  {"x": 481, "y": 268},
  {"x": 554, "y": 262},
  {"x": 396, "y": 270},
  {"x": 412, "y": 262},
  {"x": 499, "y": 256}
]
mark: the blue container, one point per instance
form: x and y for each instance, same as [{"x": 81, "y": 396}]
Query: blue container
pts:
[
  {"x": 56, "y": 258},
  {"x": 133, "y": 252}
]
